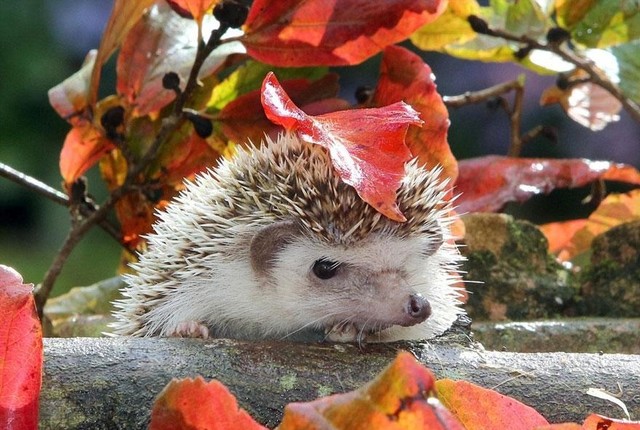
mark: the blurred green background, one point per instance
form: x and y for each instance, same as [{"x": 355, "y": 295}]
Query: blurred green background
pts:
[{"x": 43, "y": 42}]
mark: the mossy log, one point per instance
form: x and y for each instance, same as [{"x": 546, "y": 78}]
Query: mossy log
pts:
[{"x": 111, "y": 383}]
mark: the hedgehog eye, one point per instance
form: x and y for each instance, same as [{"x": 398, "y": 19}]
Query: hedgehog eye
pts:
[{"x": 325, "y": 269}]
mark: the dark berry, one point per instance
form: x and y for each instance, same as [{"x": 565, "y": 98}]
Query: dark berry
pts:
[{"x": 231, "y": 13}]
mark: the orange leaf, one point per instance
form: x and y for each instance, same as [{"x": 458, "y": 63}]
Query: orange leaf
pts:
[
  {"x": 487, "y": 183},
  {"x": 196, "y": 9},
  {"x": 559, "y": 234},
  {"x": 20, "y": 353},
  {"x": 319, "y": 32},
  {"x": 405, "y": 77},
  {"x": 196, "y": 404},
  {"x": 82, "y": 148},
  {"x": 366, "y": 146},
  {"x": 480, "y": 408},
  {"x": 399, "y": 398},
  {"x": 614, "y": 210}
]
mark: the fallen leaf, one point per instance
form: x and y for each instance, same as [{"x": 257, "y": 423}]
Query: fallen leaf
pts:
[
  {"x": 614, "y": 210},
  {"x": 401, "y": 397},
  {"x": 480, "y": 408},
  {"x": 20, "y": 353},
  {"x": 318, "y": 32},
  {"x": 405, "y": 77},
  {"x": 559, "y": 234},
  {"x": 366, "y": 146},
  {"x": 198, "y": 405},
  {"x": 487, "y": 183}
]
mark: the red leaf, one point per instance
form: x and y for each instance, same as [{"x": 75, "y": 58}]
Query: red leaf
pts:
[
  {"x": 480, "y": 408},
  {"x": 401, "y": 397},
  {"x": 196, "y": 404},
  {"x": 20, "y": 353},
  {"x": 366, "y": 146},
  {"x": 559, "y": 234},
  {"x": 487, "y": 183},
  {"x": 405, "y": 77},
  {"x": 244, "y": 119},
  {"x": 82, "y": 148},
  {"x": 319, "y": 32},
  {"x": 124, "y": 15},
  {"x": 159, "y": 43}
]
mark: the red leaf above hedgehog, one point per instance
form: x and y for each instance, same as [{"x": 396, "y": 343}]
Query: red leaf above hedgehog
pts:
[{"x": 366, "y": 146}]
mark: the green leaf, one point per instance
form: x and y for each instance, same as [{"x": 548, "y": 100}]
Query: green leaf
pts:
[
  {"x": 249, "y": 77},
  {"x": 519, "y": 18},
  {"x": 628, "y": 56},
  {"x": 603, "y": 23}
]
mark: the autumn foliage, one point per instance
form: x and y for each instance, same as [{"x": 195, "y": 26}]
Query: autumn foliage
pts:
[{"x": 196, "y": 78}]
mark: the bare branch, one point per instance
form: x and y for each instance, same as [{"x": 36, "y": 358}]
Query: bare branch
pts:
[
  {"x": 596, "y": 75},
  {"x": 496, "y": 91}
]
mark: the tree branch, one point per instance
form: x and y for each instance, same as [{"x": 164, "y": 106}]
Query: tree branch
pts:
[
  {"x": 496, "y": 91},
  {"x": 596, "y": 75}
]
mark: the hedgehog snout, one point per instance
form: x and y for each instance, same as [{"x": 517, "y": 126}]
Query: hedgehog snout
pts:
[{"x": 418, "y": 308}]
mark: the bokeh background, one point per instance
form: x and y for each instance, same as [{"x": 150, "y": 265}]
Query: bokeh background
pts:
[{"x": 45, "y": 41}]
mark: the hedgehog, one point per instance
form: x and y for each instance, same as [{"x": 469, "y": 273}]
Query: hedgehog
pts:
[{"x": 272, "y": 244}]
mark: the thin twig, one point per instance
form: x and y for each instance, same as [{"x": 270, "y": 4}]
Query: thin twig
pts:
[
  {"x": 596, "y": 75},
  {"x": 169, "y": 126},
  {"x": 54, "y": 195},
  {"x": 515, "y": 112}
]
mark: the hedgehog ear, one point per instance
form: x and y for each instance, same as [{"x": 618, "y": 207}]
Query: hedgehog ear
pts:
[{"x": 268, "y": 241}]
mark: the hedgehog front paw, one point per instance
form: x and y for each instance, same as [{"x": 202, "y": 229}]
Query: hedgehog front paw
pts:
[
  {"x": 191, "y": 329},
  {"x": 343, "y": 333}
]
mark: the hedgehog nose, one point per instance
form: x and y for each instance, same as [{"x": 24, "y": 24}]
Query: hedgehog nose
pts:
[{"x": 418, "y": 307}]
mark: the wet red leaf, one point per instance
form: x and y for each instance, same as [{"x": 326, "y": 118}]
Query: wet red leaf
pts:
[
  {"x": 405, "y": 77},
  {"x": 82, "y": 148},
  {"x": 196, "y": 404},
  {"x": 366, "y": 146},
  {"x": 487, "y": 183},
  {"x": 20, "y": 353},
  {"x": 244, "y": 119},
  {"x": 319, "y": 32},
  {"x": 401, "y": 397},
  {"x": 480, "y": 408}
]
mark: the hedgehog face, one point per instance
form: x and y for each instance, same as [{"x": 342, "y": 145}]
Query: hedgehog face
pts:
[{"x": 379, "y": 287}]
